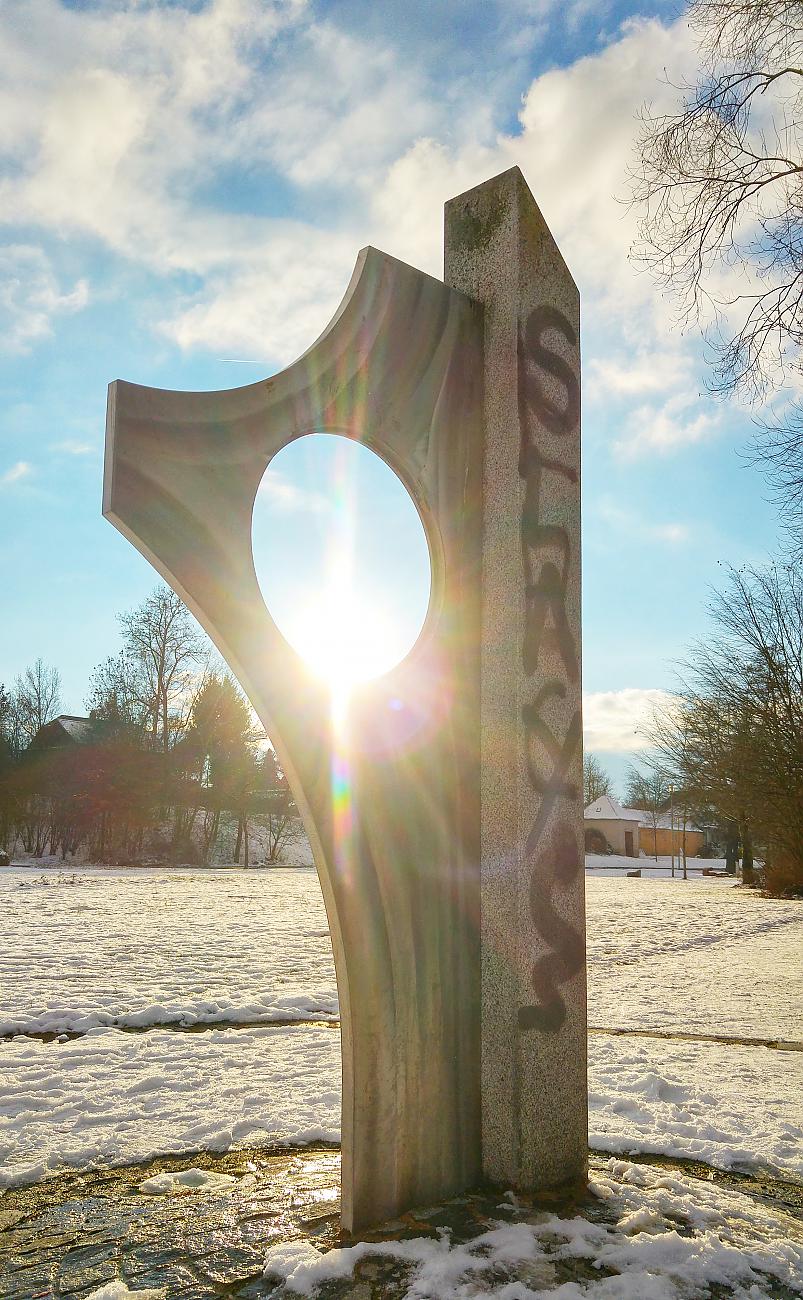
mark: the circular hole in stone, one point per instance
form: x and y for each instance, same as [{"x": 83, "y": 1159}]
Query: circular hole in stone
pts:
[{"x": 341, "y": 558}]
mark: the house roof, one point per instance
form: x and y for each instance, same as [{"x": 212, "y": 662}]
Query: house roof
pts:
[
  {"x": 82, "y": 731},
  {"x": 665, "y": 821},
  {"x": 608, "y": 809}
]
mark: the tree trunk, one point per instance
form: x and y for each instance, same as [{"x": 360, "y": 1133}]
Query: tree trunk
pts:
[
  {"x": 731, "y": 849},
  {"x": 211, "y": 827},
  {"x": 748, "y": 871}
]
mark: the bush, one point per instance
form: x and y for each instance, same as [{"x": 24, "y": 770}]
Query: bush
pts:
[
  {"x": 708, "y": 851},
  {"x": 595, "y": 842},
  {"x": 783, "y": 876}
]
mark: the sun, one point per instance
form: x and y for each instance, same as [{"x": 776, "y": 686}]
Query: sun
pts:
[
  {"x": 342, "y": 560},
  {"x": 343, "y": 634}
]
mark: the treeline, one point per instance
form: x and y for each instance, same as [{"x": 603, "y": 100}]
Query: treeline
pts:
[
  {"x": 731, "y": 739},
  {"x": 727, "y": 746},
  {"x": 169, "y": 749}
]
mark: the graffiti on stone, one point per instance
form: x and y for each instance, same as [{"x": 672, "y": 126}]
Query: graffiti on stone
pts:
[{"x": 552, "y": 846}]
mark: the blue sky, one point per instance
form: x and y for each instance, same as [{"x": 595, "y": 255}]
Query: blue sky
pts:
[{"x": 184, "y": 183}]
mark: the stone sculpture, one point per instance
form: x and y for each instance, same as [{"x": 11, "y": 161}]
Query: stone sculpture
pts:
[{"x": 446, "y": 825}]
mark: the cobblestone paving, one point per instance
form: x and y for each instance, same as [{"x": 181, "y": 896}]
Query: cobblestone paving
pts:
[{"x": 67, "y": 1236}]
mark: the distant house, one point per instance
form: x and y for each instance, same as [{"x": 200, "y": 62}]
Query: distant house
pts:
[
  {"x": 631, "y": 831},
  {"x": 668, "y": 835},
  {"x": 69, "y": 730},
  {"x": 609, "y": 825}
]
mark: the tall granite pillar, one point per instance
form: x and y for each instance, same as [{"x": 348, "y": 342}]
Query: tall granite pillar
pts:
[{"x": 533, "y": 1087}]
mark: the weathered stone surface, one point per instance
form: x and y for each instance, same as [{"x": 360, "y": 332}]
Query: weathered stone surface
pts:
[
  {"x": 393, "y": 815},
  {"x": 534, "y": 1097},
  {"x": 78, "y": 1231},
  {"x": 68, "y": 1208},
  {"x": 450, "y": 737}
]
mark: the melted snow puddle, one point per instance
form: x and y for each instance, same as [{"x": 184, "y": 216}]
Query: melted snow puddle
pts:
[{"x": 642, "y": 1232}]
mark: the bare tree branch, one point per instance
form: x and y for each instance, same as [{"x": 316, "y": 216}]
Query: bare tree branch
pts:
[{"x": 719, "y": 184}]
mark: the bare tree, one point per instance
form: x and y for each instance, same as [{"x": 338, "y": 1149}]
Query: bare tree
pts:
[
  {"x": 118, "y": 693},
  {"x": 146, "y": 695},
  {"x": 720, "y": 186},
  {"x": 7, "y": 723},
  {"x": 735, "y": 733},
  {"x": 282, "y": 824},
  {"x": 7, "y": 757},
  {"x": 36, "y": 700},
  {"x": 596, "y": 781},
  {"x": 648, "y": 791},
  {"x": 166, "y": 656},
  {"x": 778, "y": 449}
]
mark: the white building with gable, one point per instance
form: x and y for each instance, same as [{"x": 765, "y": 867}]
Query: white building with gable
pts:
[{"x": 617, "y": 826}]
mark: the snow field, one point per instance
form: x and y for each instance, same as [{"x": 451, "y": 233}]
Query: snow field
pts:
[
  {"x": 148, "y": 947},
  {"x": 731, "y": 1107},
  {"x": 153, "y": 948},
  {"x": 696, "y": 956},
  {"x": 115, "y": 1098}
]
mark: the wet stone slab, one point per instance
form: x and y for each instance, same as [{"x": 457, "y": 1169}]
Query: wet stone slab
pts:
[{"x": 68, "y": 1236}]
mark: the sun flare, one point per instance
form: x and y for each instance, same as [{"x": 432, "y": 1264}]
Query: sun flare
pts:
[
  {"x": 344, "y": 637},
  {"x": 342, "y": 560}
]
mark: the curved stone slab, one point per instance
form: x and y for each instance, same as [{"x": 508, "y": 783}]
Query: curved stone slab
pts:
[{"x": 393, "y": 815}]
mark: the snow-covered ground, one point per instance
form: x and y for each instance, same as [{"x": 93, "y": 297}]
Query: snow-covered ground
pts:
[
  {"x": 116, "y": 1098},
  {"x": 730, "y": 1106},
  {"x": 145, "y": 949},
  {"x": 614, "y": 864},
  {"x": 669, "y": 1238},
  {"x": 696, "y": 956},
  {"x": 149, "y": 947}
]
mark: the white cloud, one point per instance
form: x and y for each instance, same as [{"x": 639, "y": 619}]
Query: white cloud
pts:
[
  {"x": 674, "y": 533},
  {"x": 125, "y": 120},
  {"x": 577, "y": 127},
  {"x": 337, "y": 112},
  {"x": 72, "y": 447},
  {"x": 617, "y": 721},
  {"x": 30, "y": 297},
  {"x": 663, "y": 429},
  {"x": 274, "y": 305},
  {"x": 636, "y": 528},
  {"x": 641, "y": 372},
  {"x": 276, "y": 492},
  {"x": 118, "y": 114},
  {"x": 121, "y": 122},
  {"x": 22, "y": 470}
]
